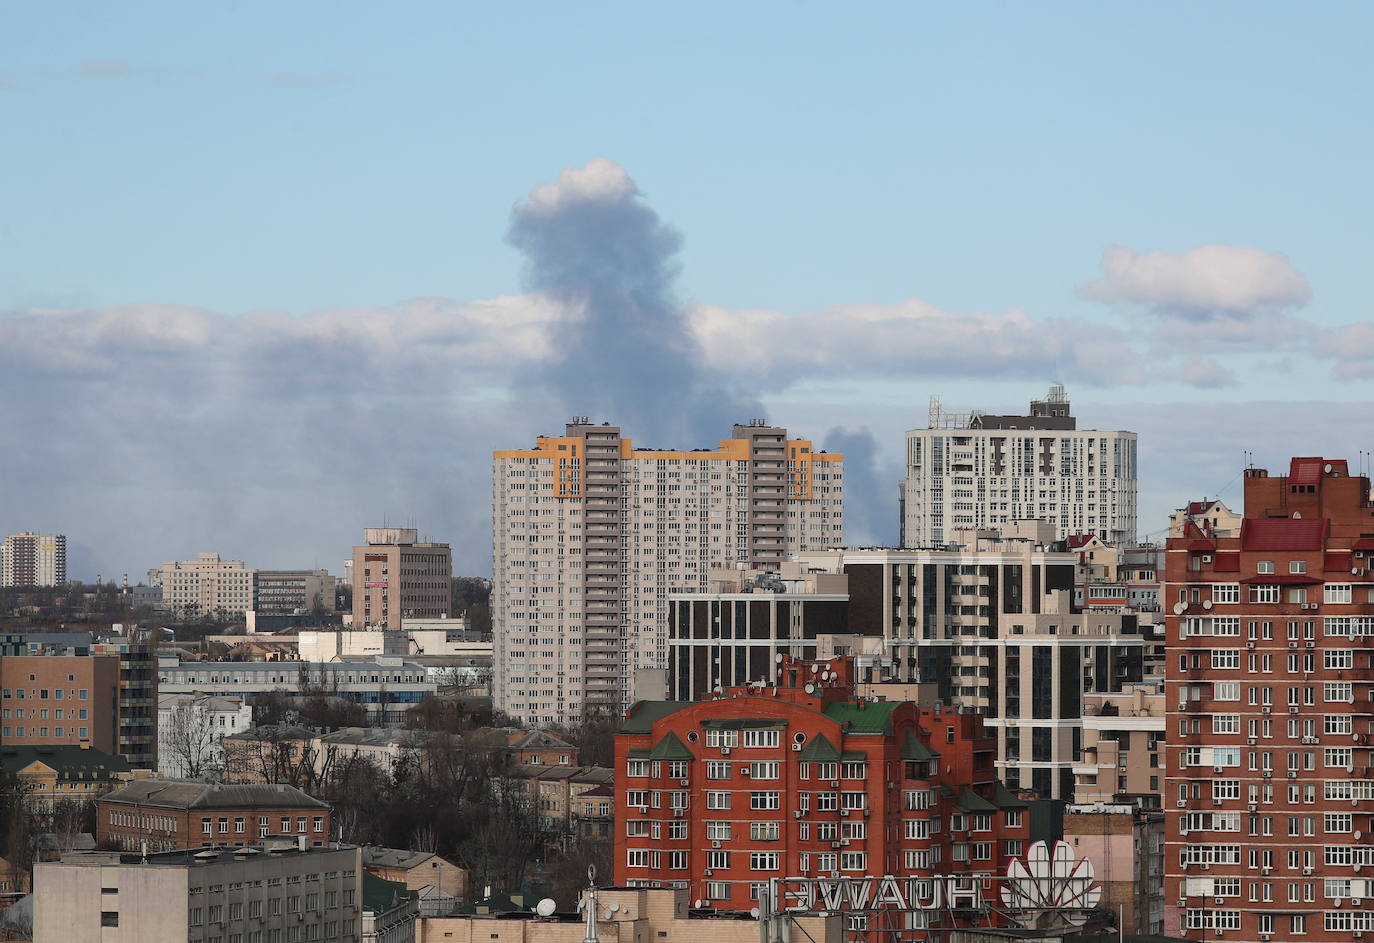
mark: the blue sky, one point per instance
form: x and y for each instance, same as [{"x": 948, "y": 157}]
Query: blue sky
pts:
[{"x": 292, "y": 158}]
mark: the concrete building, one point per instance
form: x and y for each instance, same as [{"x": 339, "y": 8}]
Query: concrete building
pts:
[
  {"x": 287, "y": 592},
  {"x": 799, "y": 779},
  {"x": 171, "y": 814},
  {"x": 1117, "y": 579},
  {"x": 1270, "y": 779},
  {"x": 989, "y": 626},
  {"x": 396, "y": 576},
  {"x": 269, "y": 891},
  {"x": 417, "y": 870},
  {"x": 1126, "y": 846},
  {"x": 191, "y": 729},
  {"x": 386, "y": 686},
  {"x": 551, "y": 791},
  {"x": 30, "y": 559},
  {"x": 1122, "y": 759},
  {"x": 632, "y": 915},
  {"x": 206, "y": 585},
  {"x": 101, "y": 694},
  {"x": 980, "y": 470},
  {"x": 591, "y": 535}
]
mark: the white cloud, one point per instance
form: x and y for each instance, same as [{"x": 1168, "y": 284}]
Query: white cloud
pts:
[
  {"x": 601, "y": 180},
  {"x": 1203, "y": 372},
  {"x": 1351, "y": 346},
  {"x": 1206, "y": 282}
]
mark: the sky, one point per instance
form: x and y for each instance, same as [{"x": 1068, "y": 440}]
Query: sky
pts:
[{"x": 273, "y": 273}]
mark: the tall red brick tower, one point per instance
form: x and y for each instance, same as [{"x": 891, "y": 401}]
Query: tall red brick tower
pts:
[{"x": 1270, "y": 783}]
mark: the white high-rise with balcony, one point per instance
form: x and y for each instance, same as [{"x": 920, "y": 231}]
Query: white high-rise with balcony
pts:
[
  {"x": 590, "y": 535},
  {"x": 981, "y": 470}
]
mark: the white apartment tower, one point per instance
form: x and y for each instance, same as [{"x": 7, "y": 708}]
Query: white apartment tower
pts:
[
  {"x": 590, "y": 535},
  {"x": 980, "y": 470}
]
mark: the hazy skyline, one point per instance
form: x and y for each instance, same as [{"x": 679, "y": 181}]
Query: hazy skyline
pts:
[{"x": 268, "y": 274}]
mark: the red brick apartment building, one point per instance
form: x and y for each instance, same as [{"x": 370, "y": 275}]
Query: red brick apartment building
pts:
[
  {"x": 804, "y": 780},
  {"x": 171, "y": 815},
  {"x": 1270, "y": 784}
]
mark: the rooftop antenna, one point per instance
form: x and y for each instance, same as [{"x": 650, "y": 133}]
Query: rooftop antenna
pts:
[{"x": 590, "y": 906}]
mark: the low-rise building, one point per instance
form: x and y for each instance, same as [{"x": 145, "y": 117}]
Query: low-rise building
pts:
[
  {"x": 385, "y": 686},
  {"x": 264, "y": 891},
  {"x": 170, "y": 814},
  {"x": 525, "y": 747},
  {"x": 55, "y": 774},
  {"x": 550, "y": 790},
  {"x": 191, "y": 729},
  {"x": 389, "y": 910},
  {"x": 417, "y": 870},
  {"x": 1126, "y": 846}
]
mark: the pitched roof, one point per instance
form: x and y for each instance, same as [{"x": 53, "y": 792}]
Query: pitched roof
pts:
[
  {"x": 670, "y": 748},
  {"x": 381, "y": 895},
  {"x": 68, "y": 760},
  {"x": 375, "y": 856},
  {"x": 819, "y": 750},
  {"x": 1283, "y": 533},
  {"x": 1004, "y": 798},
  {"x": 914, "y": 749},
  {"x": 870, "y": 717},
  {"x": 644, "y": 714},
  {"x": 184, "y": 794},
  {"x": 970, "y": 801}
]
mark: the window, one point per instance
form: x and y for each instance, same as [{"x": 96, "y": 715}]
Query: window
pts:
[
  {"x": 1297, "y": 566},
  {"x": 1225, "y": 592},
  {"x": 1338, "y": 723},
  {"x": 1265, "y": 566},
  {"x": 717, "y": 800},
  {"x": 1226, "y": 690},
  {"x": 1226, "y": 658},
  {"x": 637, "y": 858},
  {"x": 854, "y": 770},
  {"x": 109, "y": 918},
  {"x": 717, "y": 769},
  {"x": 768, "y": 770},
  {"x": 853, "y": 861},
  {"x": 1337, "y": 593},
  {"x": 637, "y": 768},
  {"x": 764, "y": 831},
  {"x": 637, "y": 828},
  {"x": 718, "y": 859},
  {"x": 1264, "y": 592},
  {"x": 637, "y": 797},
  {"x": 765, "y": 800},
  {"x": 1013, "y": 818},
  {"x": 1338, "y": 658},
  {"x": 1226, "y": 723},
  {"x": 762, "y": 738},
  {"x": 718, "y": 831},
  {"x": 763, "y": 861}
]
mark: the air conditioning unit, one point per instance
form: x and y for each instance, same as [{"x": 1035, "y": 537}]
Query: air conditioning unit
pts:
[
  {"x": 724, "y": 751},
  {"x": 1264, "y": 938},
  {"x": 1292, "y": 774},
  {"x": 1250, "y": 645},
  {"x": 1292, "y": 644},
  {"x": 744, "y": 771},
  {"x": 1220, "y": 901},
  {"x": 679, "y": 813},
  {"x": 835, "y": 785},
  {"x": 1219, "y": 931},
  {"x": 798, "y": 813},
  {"x": 796, "y": 747},
  {"x": 1216, "y": 800},
  {"x": 1268, "y": 774},
  {"x": 644, "y": 810},
  {"x": 1266, "y": 710},
  {"x": 866, "y": 812},
  {"x": 1206, "y": 866},
  {"x": 834, "y": 844},
  {"x": 682, "y": 782},
  {"x": 715, "y": 844},
  {"x": 1306, "y": 870},
  {"x": 709, "y": 872},
  {"x": 1183, "y": 803},
  {"x": 1292, "y": 708},
  {"x": 1183, "y": 831},
  {"x": 844, "y": 842},
  {"x": 1218, "y": 769},
  {"x": 1206, "y": 558},
  {"x": 1251, "y": 741},
  {"x": 1266, "y": 869},
  {"x": 1356, "y": 901},
  {"x": 1252, "y": 807},
  {"x": 1311, "y": 644}
]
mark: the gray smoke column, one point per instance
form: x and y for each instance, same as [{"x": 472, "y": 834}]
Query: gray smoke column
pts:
[
  {"x": 870, "y": 489},
  {"x": 624, "y": 351}
]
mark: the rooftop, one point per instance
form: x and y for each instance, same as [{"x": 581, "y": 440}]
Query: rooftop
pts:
[{"x": 186, "y": 794}]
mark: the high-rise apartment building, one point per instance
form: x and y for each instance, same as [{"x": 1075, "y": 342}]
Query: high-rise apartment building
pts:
[
  {"x": 989, "y": 626},
  {"x": 802, "y": 779},
  {"x": 590, "y": 535},
  {"x": 398, "y": 576},
  {"x": 980, "y": 470},
  {"x": 29, "y": 559},
  {"x": 1269, "y": 796},
  {"x": 207, "y": 585}
]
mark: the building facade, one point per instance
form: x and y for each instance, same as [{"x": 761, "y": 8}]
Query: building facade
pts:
[
  {"x": 590, "y": 535},
  {"x": 287, "y": 592},
  {"x": 30, "y": 559},
  {"x": 191, "y": 729},
  {"x": 721, "y": 795},
  {"x": 989, "y": 626},
  {"x": 980, "y": 470},
  {"x": 397, "y": 576},
  {"x": 1269, "y": 798},
  {"x": 273, "y": 891},
  {"x": 104, "y": 697},
  {"x": 1126, "y": 846},
  {"x": 206, "y": 586},
  {"x": 385, "y": 686},
  {"x": 170, "y": 815}
]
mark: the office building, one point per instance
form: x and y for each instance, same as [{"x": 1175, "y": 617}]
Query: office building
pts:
[
  {"x": 980, "y": 470},
  {"x": 386, "y": 686},
  {"x": 273, "y": 891},
  {"x": 799, "y": 779},
  {"x": 30, "y": 559},
  {"x": 590, "y": 535},
  {"x": 397, "y": 576},
  {"x": 206, "y": 586},
  {"x": 1269, "y": 798},
  {"x": 989, "y": 626},
  {"x": 288, "y": 592},
  {"x": 101, "y": 694}
]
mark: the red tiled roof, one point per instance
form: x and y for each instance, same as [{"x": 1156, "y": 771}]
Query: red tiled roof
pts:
[
  {"x": 1226, "y": 563},
  {"x": 1202, "y": 546},
  {"x": 1284, "y": 533},
  {"x": 1307, "y": 469},
  {"x": 1336, "y": 561},
  {"x": 1290, "y": 579},
  {"x": 1078, "y": 540},
  {"x": 1199, "y": 507},
  {"x": 1363, "y": 543}
]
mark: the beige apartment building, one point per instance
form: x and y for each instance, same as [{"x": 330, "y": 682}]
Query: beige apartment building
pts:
[
  {"x": 30, "y": 559},
  {"x": 397, "y": 576},
  {"x": 591, "y": 534},
  {"x": 205, "y": 585}
]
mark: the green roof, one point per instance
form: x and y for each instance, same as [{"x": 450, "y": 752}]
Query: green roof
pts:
[
  {"x": 381, "y": 895},
  {"x": 914, "y": 749},
  {"x": 670, "y": 748},
  {"x": 1005, "y": 799},
  {"x": 68, "y": 760},
  {"x": 854, "y": 756},
  {"x": 645, "y": 714},
  {"x": 970, "y": 801},
  {"x": 639, "y": 753},
  {"x": 872, "y": 717},
  {"x": 819, "y": 750}
]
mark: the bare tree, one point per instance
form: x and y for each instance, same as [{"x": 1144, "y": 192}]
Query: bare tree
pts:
[
  {"x": 191, "y": 740},
  {"x": 274, "y": 754}
]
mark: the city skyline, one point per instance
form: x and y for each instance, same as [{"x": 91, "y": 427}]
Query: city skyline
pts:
[{"x": 257, "y": 277}]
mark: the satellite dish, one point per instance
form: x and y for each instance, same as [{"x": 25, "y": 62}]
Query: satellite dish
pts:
[
  {"x": 810, "y": 688},
  {"x": 1355, "y": 571},
  {"x": 1327, "y": 469},
  {"x": 1180, "y": 608},
  {"x": 699, "y": 904},
  {"x": 815, "y": 668},
  {"x": 1207, "y": 604},
  {"x": 545, "y": 907},
  {"x": 754, "y": 912},
  {"x": 613, "y": 908},
  {"x": 778, "y": 658},
  {"x": 1297, "y": 515}
]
